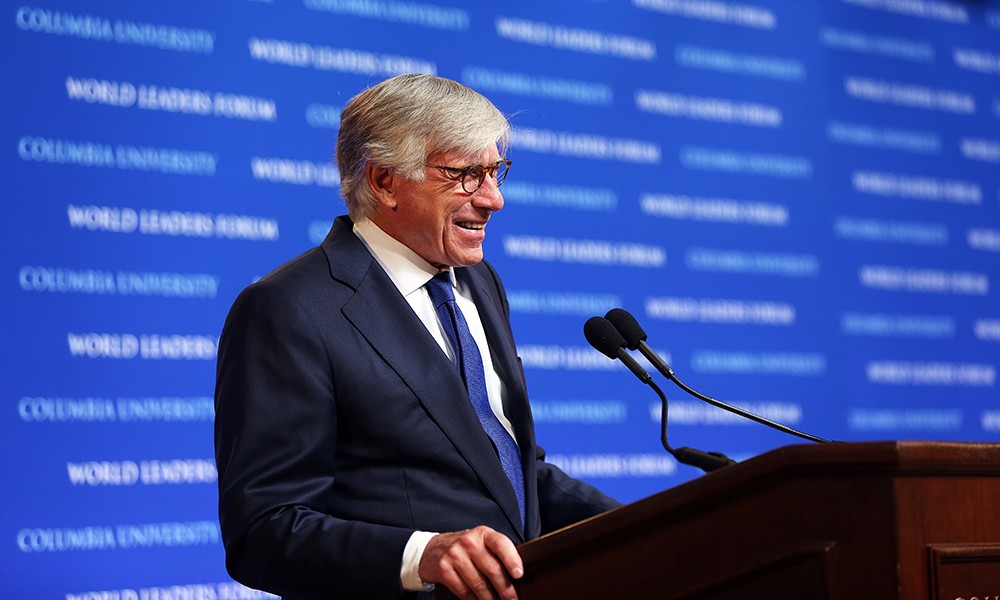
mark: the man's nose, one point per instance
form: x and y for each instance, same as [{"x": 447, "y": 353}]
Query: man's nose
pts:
[{"x": 488, "y": 195}]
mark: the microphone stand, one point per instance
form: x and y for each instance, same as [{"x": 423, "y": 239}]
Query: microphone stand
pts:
[{"x": 606, "y": 339}]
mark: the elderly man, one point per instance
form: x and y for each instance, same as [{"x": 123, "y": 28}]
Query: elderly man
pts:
[{"x": 373, "y": 432}]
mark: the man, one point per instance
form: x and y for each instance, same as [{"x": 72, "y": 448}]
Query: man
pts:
[{"x": 373, "y": 433}]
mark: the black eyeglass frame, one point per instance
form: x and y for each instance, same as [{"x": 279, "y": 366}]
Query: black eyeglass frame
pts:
[{"x": 462, "y": 173}]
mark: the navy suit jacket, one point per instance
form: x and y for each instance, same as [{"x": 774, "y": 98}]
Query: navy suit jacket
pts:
[{"x": 342, "y": 427}]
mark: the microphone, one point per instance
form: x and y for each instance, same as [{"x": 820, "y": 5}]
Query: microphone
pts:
[
  {"x": 607, "y": 340},
  {"x": 603, "y": 336},
  {"x": 635, "y": 339}
]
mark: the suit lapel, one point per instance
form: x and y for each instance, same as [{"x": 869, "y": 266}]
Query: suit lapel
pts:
[{"x": 409, "y": 349}]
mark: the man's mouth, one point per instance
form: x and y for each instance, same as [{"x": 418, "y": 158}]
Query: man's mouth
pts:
[{"x": 471, "y": 225}]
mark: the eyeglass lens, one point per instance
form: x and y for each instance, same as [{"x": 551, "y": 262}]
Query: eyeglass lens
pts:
[{"x": 474, "y": 175}]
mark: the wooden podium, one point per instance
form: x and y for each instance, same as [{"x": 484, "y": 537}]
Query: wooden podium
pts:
[{"x": 845, "y": 521}]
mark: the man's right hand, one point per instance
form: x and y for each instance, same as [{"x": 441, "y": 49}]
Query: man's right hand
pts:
[{"x": 474, "y": 564}]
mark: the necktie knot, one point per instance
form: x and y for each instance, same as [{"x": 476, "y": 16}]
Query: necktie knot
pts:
[{"x": 440, "y": 290}]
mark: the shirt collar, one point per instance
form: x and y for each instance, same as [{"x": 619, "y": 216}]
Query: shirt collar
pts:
[{"x": 407, "y": 270}]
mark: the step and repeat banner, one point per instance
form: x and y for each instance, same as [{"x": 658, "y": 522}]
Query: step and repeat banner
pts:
[{"x": 798, "y": 200}]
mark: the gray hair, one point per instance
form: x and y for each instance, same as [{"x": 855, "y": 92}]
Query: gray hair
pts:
[{"x": 399, "y": 122}]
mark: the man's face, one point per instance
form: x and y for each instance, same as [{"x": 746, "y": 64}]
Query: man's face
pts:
[{"x": 439, "y": 220}]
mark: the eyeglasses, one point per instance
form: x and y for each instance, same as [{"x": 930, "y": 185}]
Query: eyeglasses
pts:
[{"x": 472, "y": 176}]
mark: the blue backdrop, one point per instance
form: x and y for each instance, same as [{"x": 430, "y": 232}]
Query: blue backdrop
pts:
[{"x": 798, "y": 199}]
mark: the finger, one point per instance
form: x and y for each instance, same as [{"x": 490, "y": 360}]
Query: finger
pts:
[
  {"x": 503, "y": 548},
  {"x": 458, "y": 564},
  {"x": 490, "y": 577},
  {"x": 492, "y": 560},
  {"x": 451, "y": 579},
  {"x": 479, "y": 569}
]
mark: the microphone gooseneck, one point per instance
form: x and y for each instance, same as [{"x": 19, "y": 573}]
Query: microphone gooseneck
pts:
[{"x": 635, "y": 339}]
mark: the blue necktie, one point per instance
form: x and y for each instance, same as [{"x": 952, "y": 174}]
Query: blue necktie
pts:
[{"x": 470, "y": 364}]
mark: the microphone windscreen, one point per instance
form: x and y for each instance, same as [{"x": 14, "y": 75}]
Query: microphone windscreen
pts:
[
  {"x": 603, "y": 336},
  {"x": 627, "y": 326}
]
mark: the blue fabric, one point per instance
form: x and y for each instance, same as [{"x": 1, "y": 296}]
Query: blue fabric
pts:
[{"x": 470, "y": 364}]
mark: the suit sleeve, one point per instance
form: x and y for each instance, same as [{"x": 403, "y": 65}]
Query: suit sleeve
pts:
[
  {"x": 564, "y": 500},
  {"x": 275, "y": 438}
]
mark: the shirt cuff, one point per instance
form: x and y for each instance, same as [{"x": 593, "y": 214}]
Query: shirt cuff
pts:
[{"x": 409, "y": 575}]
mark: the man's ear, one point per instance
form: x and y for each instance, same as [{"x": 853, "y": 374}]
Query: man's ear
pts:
[{"x": 382, "y": 182}]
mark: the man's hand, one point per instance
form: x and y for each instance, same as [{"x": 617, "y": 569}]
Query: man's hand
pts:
[{"x": 474, "y": 564}]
